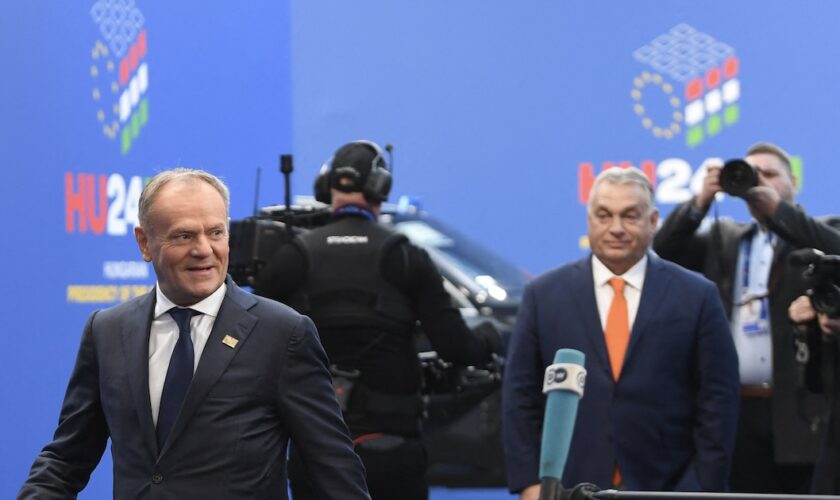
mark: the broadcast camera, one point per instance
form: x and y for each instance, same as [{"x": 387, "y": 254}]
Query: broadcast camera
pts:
[
  {"x": 822, "y": 273},
  {"x": 737, "y": 177},
  {"x": 254, "y": 240}
]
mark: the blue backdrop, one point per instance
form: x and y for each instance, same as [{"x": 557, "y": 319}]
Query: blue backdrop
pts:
[{"x": 499, "y": 113}]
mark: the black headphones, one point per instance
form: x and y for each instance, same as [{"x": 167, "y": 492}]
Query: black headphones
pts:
[{"x": 375, "y": 185}]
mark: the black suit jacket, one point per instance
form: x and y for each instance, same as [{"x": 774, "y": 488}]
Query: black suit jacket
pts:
[
  {"x": 243, "y": 406},
  {"x": 798, "y": 416}
]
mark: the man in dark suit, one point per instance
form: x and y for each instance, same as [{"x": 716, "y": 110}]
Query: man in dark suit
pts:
[
  {"x": 780, "y": 423},
  {"x": 661, "y": 398},
  {"x": 198, "y": 384}
]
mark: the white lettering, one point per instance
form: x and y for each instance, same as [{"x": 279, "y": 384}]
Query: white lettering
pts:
[
  {"x": 124, "y": 269},
  {"x": 347, "y": 240}
]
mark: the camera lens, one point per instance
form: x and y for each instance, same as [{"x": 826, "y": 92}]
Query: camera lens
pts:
[{"x": 737, "y": 177}]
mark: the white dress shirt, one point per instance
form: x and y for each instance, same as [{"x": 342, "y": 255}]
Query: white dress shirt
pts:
[
  {"x": 634, "y": 278},
  {"x": 164, "y": 335},
  {"x": 750, "y": 311}
]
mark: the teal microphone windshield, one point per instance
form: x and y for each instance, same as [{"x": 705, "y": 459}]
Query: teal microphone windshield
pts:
[{"x": 563, "y": 384}]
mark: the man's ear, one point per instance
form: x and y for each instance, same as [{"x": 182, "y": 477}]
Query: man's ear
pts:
[{"x": 143, "y": 242}]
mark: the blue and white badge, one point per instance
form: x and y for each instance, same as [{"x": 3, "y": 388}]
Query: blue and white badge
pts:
[{"x": 753, "y": 315}]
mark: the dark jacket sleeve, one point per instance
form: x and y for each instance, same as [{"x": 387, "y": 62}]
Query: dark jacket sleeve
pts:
[
  {"x": 718, "y": 395},
  {"x": 306, "y": 401},
  {"x": 411, "y": 270},
  {"x": 678, "y": 239},
  {"x": 523, "y": 403},
  {"x": 63, "y": 467},
  {"x": 803, "y": 231}
]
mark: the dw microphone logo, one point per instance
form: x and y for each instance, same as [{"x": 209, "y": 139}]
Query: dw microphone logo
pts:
[
  {"x": 120, "y": 71},
  {"x": 688, "y": 85},
  {"x": 556, "y": 376}
]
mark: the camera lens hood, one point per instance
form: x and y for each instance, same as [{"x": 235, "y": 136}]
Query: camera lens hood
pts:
[{"x": 737, "y": 177}]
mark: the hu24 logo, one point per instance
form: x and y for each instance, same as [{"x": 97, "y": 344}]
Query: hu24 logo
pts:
[
  {"x": 674, "y": 180},
  {"x": 101, "y": 204}
]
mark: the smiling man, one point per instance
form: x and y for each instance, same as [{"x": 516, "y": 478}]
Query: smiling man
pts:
[
  {"x": 661, "y": 398},
  {"x": 199, "y": 385}
]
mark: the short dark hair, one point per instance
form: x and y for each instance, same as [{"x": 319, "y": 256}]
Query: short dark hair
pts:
[{"x": 771, "y": 149}]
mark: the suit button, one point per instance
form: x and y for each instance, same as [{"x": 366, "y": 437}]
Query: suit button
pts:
[{"x": 157, "y": 478}]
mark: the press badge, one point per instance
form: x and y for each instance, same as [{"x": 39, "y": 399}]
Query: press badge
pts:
[{"x": 753, "y": 316}]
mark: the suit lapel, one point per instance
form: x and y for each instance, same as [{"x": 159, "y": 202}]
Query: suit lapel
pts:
[
  {"x": 233, "y": 320},
  {"x": 587, "y": 309},
  {"x": 135, "y": 342},
  {"x": 653, "y": 294}
]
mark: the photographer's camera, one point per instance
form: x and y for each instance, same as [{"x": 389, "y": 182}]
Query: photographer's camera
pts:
[{"x": 737, "y": 177}]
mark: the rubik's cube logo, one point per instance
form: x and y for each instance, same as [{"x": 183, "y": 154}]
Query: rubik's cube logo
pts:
[
  {"x": 689, "y": 85},
  {"x": 120, "y": 71}
]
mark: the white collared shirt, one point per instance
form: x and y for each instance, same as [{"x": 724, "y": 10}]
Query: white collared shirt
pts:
[
  {"x": 164, "y": 335},
  {"x": 634, "y": 279},
  {"x": 752, "y": 275}
]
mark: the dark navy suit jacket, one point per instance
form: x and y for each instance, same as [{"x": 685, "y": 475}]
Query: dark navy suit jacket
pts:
[
  {"x": 669, "y": 421},
  {"x": 229, "y": 442}
]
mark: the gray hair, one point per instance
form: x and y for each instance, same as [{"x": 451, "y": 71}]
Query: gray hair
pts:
[
  {"x": 618, "y": 175},
  {"x": 150, "y": 192}
]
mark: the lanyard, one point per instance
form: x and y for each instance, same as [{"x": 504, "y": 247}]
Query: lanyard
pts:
[
  {"x": 355, "y": 209},
  {"x": 747, "y": 295}
]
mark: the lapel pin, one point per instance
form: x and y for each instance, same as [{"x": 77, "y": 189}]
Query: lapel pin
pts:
[{"x": 230, "y": 341}]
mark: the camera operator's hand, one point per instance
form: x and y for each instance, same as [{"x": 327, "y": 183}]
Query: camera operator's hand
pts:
[
  {"x": 530, "y": 493},
  {"x": 801, "y": 312},
  {"x": 829, "y": 326},
  {"x": 711, "y": 186},
  {"x": 763, "y": 202}
]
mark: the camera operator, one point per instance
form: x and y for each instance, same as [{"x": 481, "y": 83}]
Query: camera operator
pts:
[
  {"x": 365, "y": 286},
  {"x": 780, "y": 422},
  {"x": 822, "y": 329}
]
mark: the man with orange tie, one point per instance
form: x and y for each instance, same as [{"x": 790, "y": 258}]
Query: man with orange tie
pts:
[{"x": 661, "y": 402}]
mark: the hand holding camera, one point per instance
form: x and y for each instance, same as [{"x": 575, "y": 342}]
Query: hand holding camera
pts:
[
  {"x": 801, "y": 311},
  {"x": 711, "y": 186},
  {"x": 739, "y": 178}
]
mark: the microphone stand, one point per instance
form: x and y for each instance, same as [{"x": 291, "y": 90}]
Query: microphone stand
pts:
[
  {"x": 552, "y": 489},
  {"x": 680, "y": 495}
]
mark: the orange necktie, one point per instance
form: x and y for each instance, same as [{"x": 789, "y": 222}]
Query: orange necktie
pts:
[{"x": 617, "y": 333}]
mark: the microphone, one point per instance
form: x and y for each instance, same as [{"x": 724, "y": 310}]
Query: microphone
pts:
[{"x": 563, "y": 383}]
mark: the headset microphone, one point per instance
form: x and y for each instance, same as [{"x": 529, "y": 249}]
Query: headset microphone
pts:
[{"x": 563, "y": 384}]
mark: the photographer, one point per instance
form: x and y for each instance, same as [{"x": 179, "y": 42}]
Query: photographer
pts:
[
  {"x": 822, "y": 329},
  {"x": 780, "y": 422},
  {"x": 365, "y": 287}
]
